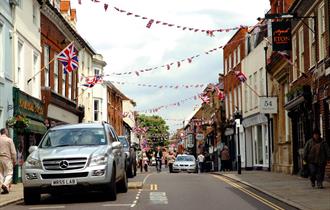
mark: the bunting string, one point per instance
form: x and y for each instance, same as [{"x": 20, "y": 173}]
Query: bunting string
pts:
[
  {"x": 153, "y": 21},
  {"x": 160, "y": 86}
]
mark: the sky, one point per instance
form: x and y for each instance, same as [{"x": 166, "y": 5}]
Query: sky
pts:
[{"x": 128, "y": 45}]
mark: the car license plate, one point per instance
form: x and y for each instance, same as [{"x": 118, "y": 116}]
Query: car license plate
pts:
[{"x": 59, "y": 182}]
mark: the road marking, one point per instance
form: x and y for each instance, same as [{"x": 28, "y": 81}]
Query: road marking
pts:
[
  {"x": 48, "y": 207},
  {"x": 158, "y": 198},
  {"x": 156, "y": 187},
  {"x": 133, "y": 205},
  {"x": 116, "y": 204},
  {"x": 257, "y": 197},
  {"x": 145, "y": 178},
  {"x": 151, "y": 187}
]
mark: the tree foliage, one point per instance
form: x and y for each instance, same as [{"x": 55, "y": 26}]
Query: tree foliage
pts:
[{"x": 157, "y": 131}]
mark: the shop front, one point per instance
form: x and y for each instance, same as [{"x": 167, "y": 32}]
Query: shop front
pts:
[
  {"x": 256, "y": 142},
  {"x": 28, "y": 126}
]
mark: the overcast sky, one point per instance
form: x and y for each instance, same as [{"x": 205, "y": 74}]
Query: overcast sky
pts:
[{"x": 127, "y": 45}]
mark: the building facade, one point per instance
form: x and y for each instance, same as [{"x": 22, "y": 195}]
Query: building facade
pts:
[
  {"x": 308, "y": 96},
  {"x": 59, "y": 90},
  {"x": 6, "y": 61},
  {"x": 233, "y": 54},
  {"x": 129, "y": 120}
]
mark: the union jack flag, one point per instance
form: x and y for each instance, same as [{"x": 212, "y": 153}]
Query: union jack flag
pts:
[
  {"x": 69, "y": 58},
  {"x": 240, "y": 76},
  {"x": 205, "y": 98}
]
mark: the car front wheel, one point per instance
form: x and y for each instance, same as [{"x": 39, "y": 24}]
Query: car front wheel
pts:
[
  {"x": 123, "y": 184},
  {"x": 112, "y": 188},
  {"x": 31, "y": 196}
]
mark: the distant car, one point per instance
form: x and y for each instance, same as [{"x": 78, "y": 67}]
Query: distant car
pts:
[
  {"x": 70, "y": 158},
  {"x": 130, "y": 154},
  {"x": 185, "y": 163}
]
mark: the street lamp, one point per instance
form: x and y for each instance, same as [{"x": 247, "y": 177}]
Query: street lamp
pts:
[{"x": 238, "y": 119}]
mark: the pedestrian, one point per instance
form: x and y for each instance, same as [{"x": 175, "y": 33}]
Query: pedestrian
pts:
[
  {"x": 159, "y": 157},
  {"x": 316, "y": 153},
  {"x": 7, "y": 160},
  {"x": 201, "y": 159},
  {"x": 170, "y": 160},
  {"x": 145, "y": 161},
  {"x": 225, "y": 159}
]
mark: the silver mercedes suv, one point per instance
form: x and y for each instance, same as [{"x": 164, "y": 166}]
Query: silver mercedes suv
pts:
[{"x": 75, "y": 157}]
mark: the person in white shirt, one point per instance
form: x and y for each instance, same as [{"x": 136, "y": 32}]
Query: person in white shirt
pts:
[
  {"x": 7, "y": 160},
  {"x": 201, "y": 159}
]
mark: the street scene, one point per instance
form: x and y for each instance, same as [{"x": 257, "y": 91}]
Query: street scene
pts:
[{"x": 171, "y": 104}]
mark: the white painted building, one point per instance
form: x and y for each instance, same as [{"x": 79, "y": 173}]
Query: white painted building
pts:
[
  {"x": 129, "y": 118},
  {"x": 20, "y": 51},
  {"x": 254, "y": 122},
  {"x": 27, "y": 46},
  {"x": 99, "y": 92},
  {"x": 6, "y": 62},
  {"x": 85, "y": 94}
]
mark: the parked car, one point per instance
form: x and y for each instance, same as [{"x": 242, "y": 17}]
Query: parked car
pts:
[
  {"x": 185, "y": 163},
  {"x": 130, "y": 156},
  {"x": 75, "y": 157}
]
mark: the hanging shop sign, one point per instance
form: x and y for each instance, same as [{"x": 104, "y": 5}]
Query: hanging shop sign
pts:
[
  {"x": 268, "y": 105},
  {"x": 190, "y": 141},
  {"x": 281, "y": 35}
]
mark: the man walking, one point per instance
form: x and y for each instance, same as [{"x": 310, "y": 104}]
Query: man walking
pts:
[
  {"x": 201, "y": 159},
  {"x": 7, "y": 160},
  {"x": 316, "y": 153},
  {"x": 159, "y": 156}
]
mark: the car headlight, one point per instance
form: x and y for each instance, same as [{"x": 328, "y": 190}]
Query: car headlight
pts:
[
  {"x": 99, "y": 160},
  {"x": 175, "y": 164},
  {"x": 32, "y": 162},
  {"x": 192, "y": 164}
]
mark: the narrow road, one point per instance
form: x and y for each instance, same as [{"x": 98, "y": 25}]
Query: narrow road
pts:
[{"x": 164, "y": 191}]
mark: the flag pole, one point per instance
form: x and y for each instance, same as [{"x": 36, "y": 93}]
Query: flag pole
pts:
[
  {"x": 41, "y": 70},
  {"x": 253, "y": 90}
]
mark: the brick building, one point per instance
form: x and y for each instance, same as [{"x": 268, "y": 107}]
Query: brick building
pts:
[
  {"x": 309, "y": 80},
  {"x": 233, "y": 53},
  {"x": 59, "y": 91},
  {"x": 115, "y": 107}
]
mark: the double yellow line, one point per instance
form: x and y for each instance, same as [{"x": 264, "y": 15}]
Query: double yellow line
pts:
[{"x": 261, "y": 199}]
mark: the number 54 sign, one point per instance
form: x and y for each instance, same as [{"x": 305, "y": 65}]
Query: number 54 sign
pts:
[{"x": 268, "y": 105}]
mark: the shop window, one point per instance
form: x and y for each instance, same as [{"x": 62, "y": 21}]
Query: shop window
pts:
[
  {"x": 294, "y": 59},
  {"x": 312, "y": 42},
  {"x": 35, "y": 14},
  {"x": 20, "y": 61},
  {"x": 97, "y": 109},
  {"x": 301, "y": 51},
  {"x": 321, "y": 30},
  {"x": 259, "y": 145},
  {"x": 55, "y": 73},
  {"x": 46, "y": 64}
]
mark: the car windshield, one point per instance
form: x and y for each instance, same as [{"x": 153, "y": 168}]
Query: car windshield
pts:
[
  {"x": 123, "y": 141},
  {"x": 74, "y": 137},
  {"x": 185, "y": 158}
]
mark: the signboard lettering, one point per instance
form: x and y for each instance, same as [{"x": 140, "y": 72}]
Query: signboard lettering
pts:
[{"x": 281, "y": 35}]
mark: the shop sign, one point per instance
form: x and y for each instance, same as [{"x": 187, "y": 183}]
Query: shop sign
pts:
[
  {"x": 281, "y": 36},
  {"x": 27, "y": 105},
  {"x": 190, "y": 141},
  {"x": 268, "y": 105}
]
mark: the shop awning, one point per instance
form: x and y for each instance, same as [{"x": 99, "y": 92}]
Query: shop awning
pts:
[{"x": 36, "y": 127}]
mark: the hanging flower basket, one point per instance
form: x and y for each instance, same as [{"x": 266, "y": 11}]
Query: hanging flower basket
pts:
[{"x": 18, "y": 121}]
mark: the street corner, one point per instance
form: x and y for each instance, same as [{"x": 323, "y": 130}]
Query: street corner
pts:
[{"x": 135, "y": 185}]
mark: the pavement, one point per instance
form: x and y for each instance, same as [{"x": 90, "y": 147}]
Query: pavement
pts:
[{"x": 291, "y": 189}]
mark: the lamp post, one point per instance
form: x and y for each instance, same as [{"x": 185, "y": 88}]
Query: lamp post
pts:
[
  {"x": 238, "y": 118},
  {"x": 267, "y": 115}
]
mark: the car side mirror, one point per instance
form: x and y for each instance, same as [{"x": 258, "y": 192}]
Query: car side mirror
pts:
[
  {"x": 32, "y": 149},
  {"x": 116, "y": 145}
]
